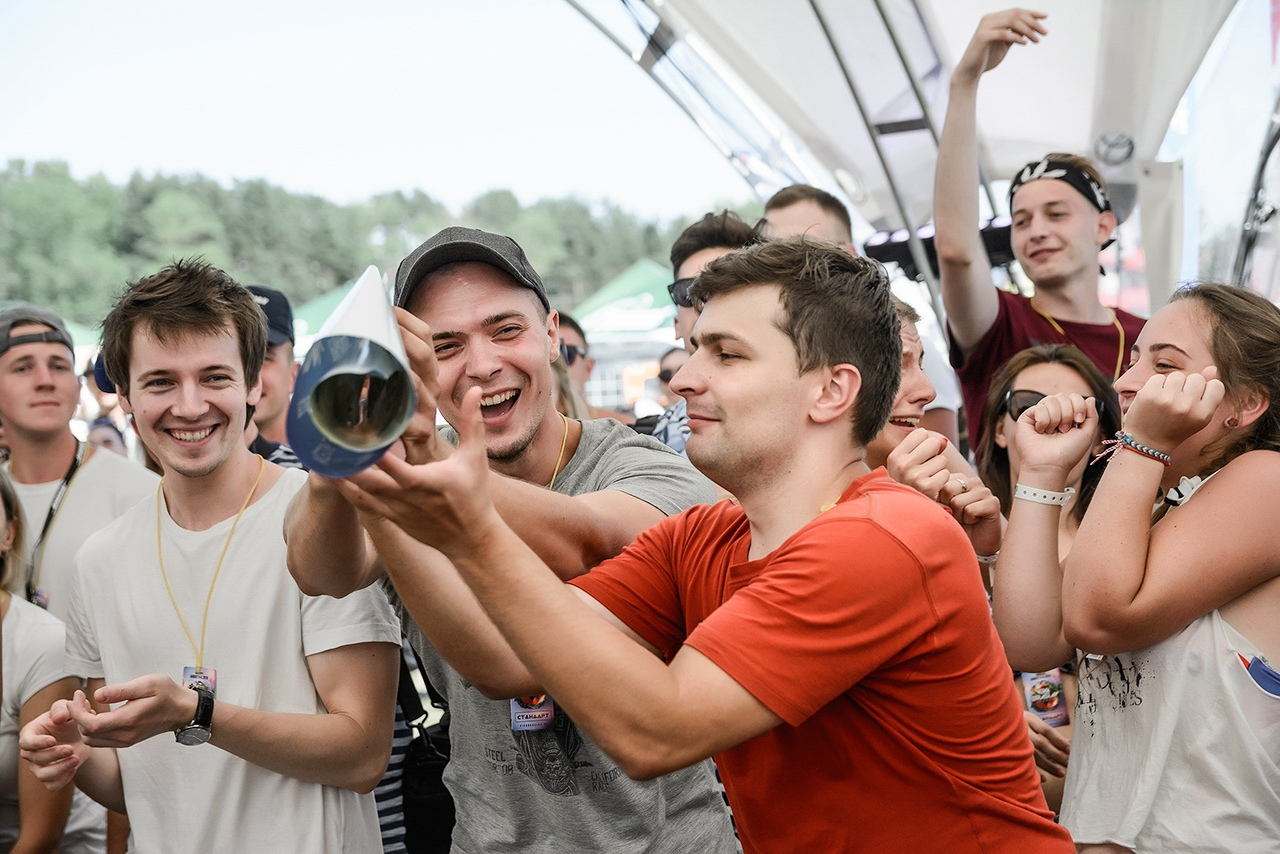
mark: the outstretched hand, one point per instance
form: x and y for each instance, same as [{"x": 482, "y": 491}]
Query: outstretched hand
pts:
[
  {"x": 444, "y": 503},
  {"x": 1172, "y": 407},
  {"x": 52, "y": 745},
  {"x": 996, "y": 33}
]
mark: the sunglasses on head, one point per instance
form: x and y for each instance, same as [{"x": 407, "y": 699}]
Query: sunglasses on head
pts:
[
  {"x": 1019, "y": 400},
  {"x": 571, "y": 352},
  {"x": 679, "y": 290}
]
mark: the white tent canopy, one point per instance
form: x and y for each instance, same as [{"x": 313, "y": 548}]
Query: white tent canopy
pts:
[{"x": 849, "y": 94}]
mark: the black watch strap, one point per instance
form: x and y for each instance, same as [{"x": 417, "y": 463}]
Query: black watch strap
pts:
[{"x": 204, "y": 707}]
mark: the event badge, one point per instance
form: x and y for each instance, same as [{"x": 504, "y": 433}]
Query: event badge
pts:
[
  {"x": 532, "y": 713},
  {"x": 200, "y": 677}
]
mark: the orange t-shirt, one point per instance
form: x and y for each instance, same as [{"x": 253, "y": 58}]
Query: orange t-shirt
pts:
[{"x": 868, "y": 633}]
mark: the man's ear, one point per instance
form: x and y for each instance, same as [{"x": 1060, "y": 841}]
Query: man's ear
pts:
[
  {"x": 1106, "y": 227},
  {"x": 553, "y": 335},
  {"x": 123, "y": 400},
  {"x": 836, "y": 394}
]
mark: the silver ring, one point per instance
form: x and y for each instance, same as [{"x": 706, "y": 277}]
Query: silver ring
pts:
[{"x": 964, "y": 485}]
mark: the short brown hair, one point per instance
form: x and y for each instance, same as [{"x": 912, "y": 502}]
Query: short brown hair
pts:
[
  {"x": 836, "y": 309},
  {"x": 796, "y": 193},
  {"x": 724, "y": 230},
  {"x": 186, "y": 297}
]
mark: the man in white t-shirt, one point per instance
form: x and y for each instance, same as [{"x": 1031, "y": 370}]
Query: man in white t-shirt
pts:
[
  {"x": 67, "y": 491},
  {"x": 186, "y": 622}
]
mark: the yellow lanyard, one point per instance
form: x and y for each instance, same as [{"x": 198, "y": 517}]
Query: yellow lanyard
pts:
[
  {"x": 204, "y": 623},
  {"x": 564, "y": 441},
  {"x": 1114, "y": 320}
]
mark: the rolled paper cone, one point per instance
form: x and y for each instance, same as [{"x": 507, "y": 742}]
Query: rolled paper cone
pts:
[{"x": 354, "y": 394}]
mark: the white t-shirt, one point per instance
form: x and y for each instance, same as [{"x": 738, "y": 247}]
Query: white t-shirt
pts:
[
  {"x": 33, "y": 660},
  {"x": 103, "y": 488},
  {"x": 260, "y": 630}
]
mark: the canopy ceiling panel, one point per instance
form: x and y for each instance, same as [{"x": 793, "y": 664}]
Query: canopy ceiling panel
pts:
[{"x": 1108, "y": 67}]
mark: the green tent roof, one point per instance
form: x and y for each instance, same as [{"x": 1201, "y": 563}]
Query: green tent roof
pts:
[{"x": 635, "y": 302}]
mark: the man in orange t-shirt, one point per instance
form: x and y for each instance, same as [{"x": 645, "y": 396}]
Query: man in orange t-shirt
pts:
[{"x": 825, "y": 637}]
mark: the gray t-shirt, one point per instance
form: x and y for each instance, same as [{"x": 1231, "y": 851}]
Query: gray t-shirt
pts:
[{"x": 554, "y": 790}]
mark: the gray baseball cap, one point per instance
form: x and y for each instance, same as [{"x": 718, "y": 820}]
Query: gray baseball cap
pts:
[
  {"x": 456, "y": 244},
  {"x": 29, "y": 315}
]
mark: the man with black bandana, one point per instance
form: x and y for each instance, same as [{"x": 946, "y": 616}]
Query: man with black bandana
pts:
[{"x": 1061, "y": 220}]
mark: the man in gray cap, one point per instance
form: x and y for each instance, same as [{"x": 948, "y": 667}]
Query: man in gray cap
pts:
[
  {"x": 67, "y": 492},
  {"x": 522, "y": 776}
]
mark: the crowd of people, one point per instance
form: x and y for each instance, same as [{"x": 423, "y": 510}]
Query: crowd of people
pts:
[{"x": 788, "y": 614}]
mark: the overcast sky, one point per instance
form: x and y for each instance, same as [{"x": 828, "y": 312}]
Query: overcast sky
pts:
[{"x": 453, "y": 97}]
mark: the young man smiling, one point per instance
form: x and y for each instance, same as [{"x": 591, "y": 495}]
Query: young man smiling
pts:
[
  {"x": 826, "y": 636},
  {"x": 523, "y": 777},
  {"x": 1061, "y": 220},
  {"x": 189, "y": 590},
  {"x": 67, "y": 491}
]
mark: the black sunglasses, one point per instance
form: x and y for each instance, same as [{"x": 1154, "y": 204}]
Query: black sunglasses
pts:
[
  {"x": 679, "y": 290},
  {"x": 571, "y": 352},
  {"x": 666, "y": 374},
  {"x": 1019, "y": 400}
]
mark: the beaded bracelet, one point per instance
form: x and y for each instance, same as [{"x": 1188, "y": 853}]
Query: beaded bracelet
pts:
[
  {"x": 1133, "y": 444},
  {"x": 1044, "y": 496}
]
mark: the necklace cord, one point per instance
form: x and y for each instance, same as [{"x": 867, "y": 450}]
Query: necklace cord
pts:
[
  {"x": 1115, "y": 320},
  {"x": 564, "y": 442},
  {"x": 204, "y": 622}
]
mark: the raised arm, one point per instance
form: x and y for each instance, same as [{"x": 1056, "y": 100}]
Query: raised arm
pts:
[
  {"x": 329, "y": 552},
  {"x": 1128, "y": 584},
  {"x": 1051, "y": 437},
  {"x": 967, "y": 289}
]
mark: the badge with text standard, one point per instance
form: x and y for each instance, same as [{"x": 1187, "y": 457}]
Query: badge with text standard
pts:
[
  {"x": 200, "y": 677},
  {"x": 532, "y": 713}
]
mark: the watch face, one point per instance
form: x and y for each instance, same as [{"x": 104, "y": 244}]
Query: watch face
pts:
[{"x": 192, "y": 734}]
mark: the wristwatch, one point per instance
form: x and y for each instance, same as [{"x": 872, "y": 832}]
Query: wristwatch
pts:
[{"x": 199, "y": 730}]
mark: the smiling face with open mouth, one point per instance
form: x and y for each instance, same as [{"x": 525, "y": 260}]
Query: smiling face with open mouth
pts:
[
  {"x": 490, "y": 332},
  {"x": 188, "y": 397},
  {"x": 915, "y": 392}
]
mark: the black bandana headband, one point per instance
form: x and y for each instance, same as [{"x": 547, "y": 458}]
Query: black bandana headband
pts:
[{"x": 1062, "y": 171}]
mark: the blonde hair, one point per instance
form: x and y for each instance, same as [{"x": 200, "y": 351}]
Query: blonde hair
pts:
[
  {"x": 567, "y": 399},
  {"x": 14, "y": 562}
]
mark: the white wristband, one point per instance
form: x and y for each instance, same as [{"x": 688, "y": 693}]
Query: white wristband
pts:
[
  {"x": 1043, "y": 496},
  {"x": 989, "y": 560}
]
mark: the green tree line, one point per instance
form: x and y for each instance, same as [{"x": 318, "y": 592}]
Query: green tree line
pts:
[{"x": 72, "y": 244}]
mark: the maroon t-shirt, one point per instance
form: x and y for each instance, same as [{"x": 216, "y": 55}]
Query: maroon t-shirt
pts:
[{"x": 1019, "y": 326}]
